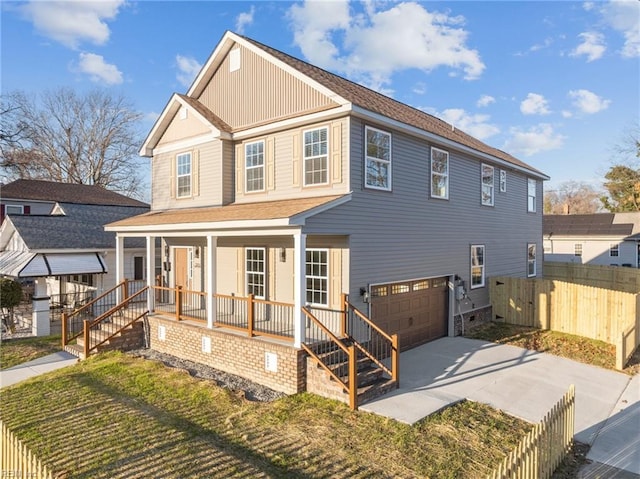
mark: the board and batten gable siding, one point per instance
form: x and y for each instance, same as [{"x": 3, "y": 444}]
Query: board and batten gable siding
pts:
[
  {"x": 284, "y": 169},
  {"x": 406, "y": 234},
  {"x": 258, "y": 92},
  {"x": 182, "y": 128},
  {"x": 210, "y": 177}
]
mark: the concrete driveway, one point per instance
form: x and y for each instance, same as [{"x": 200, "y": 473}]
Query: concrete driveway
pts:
[{"x": 525, "y": 384}]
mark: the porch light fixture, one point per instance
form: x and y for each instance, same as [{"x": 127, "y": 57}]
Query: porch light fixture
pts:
[{"x": 283, "y": 255}]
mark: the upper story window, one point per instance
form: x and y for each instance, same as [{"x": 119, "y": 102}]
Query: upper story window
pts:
[
  {"x": 531, "y": 195},
  {"x": 316, "y": 158},
  {"x": 487, "y": 185},
  {"x": 531, "y": 260},
  {"x": 577, "y": 249},
  {"x": 503, "y": 181},
  {"x": 614, "y": 250},
  {"x": 439, "y": 173},
  {"x": 377, "y": 159},
  {"x": 317, "y": 273},
  {"x": 14, "y": 209},
  {"x": 183, "y": 167},
  {"x": 477, "y": 266},
  {"x": 254, "y": 164}
]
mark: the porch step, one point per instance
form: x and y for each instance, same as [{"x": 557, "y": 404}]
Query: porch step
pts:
[
  {"x": 129, "y": 338},
  {"x": 379, "y": 388},
  {"x": 76, "y": 350}
]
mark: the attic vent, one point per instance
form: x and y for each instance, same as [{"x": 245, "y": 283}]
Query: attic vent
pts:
[
  {"x": 234, "y": 60},
  {"x": 183, "y": 113}
]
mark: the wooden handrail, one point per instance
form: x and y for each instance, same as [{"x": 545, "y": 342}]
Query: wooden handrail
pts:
[
  {"x": 117, "y": 307},
  {"x": 324, "y": 329},
  {"x": 367, "y": 320}
]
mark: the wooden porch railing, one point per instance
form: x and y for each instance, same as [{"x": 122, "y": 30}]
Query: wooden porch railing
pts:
[{"x": 327, "y": 349}]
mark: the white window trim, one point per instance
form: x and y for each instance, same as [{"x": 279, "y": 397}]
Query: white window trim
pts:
[
  {"x": 446, "y": 175},
  {"x": 263, "y": 273},
  {"x": 247, "y": 168},
  {"x": 503, "y": 181},
  {"x": 305, "y": 158},
  {"x": 534, "y": 196},
  {"x": 575, "y": 249},
  {"x": 483, "y": 266},
  {"x": 614, "y": 247},
  {"x": 367, "y": 158},
  {"x": 535, "y": 260},
  {"x": 178, "y": 175},
  {"x": 326, "y": 250},
  {"x": 7, "y": 212},
  {"x": 492, "y": 186}
]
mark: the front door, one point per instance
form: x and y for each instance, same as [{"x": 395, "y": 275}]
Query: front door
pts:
[{"x": 181, "y": 259}]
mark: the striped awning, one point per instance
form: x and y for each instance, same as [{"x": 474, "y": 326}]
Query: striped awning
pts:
[{"x": 26, "y": 264}]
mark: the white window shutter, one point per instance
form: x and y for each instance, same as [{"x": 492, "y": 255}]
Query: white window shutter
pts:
[
  {"x": 335, "y": 281},
  {"x": 336, "y": 153},
  {"x": 270, "y": 162},
  {"x": 239, "y": 169},
  {"x": 195, "y": 175},
  {"x": 296, "y": 159}
]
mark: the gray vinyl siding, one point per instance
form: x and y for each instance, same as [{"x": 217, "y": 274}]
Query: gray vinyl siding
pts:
[{"x": 406, "y": 234}]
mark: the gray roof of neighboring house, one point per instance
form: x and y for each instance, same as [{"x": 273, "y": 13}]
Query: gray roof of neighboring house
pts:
[
  {"x": 82, "y": 227},
  {"x": 598, "y": 224},
  {"x": 40, "y": 190}
]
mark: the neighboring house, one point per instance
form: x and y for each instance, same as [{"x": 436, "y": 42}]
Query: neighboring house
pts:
[
  {"x": 274, "y": 178},
  {"x": 58, "y": 237},
  {"x": 611, "y": 239}
]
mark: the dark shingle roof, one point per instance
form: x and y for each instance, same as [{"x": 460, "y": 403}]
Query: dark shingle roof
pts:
[
  {"x": 599, "y": 224},
  {"x": 41, "y": 190},
  {"x": 82, "y": 227},
  {"x": 376, "y": 102}
]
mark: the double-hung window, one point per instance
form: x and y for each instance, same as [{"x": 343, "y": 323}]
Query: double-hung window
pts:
[
  {"x": 316, "y": 157},
  {"x": 439, "y": 173},
  {"x": 183, "y": 178},
  {"x": 531, "y": 260},
  {"x": 531, "y": 195},
  {"x": 477, "y": 266},
  {"x": 614, "y": 250},
  {"x": 254, "y": 166},
  {"x": 487, "y": 185},
  {"x": 255, "y": 271},
  {"x": 377, "y": 159},
  {"x": 317, "y": 273}
]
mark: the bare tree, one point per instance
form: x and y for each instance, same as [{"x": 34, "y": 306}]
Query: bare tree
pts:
[
  {"x": 572, "y": 197},
  {"x": 622, "y": 181},
  {"x": 69, "y": 137}
]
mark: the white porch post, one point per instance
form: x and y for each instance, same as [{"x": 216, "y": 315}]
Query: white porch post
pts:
[
  {"x": 212, "y": 244},
  {"x": 151, "y": 271},
  {"x": 119, "y": 264},
  {"x": 299, "y": 287},
  {"x": 40, "y": 325}
]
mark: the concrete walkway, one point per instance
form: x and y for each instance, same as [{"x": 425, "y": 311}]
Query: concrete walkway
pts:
[
  {"x": 38, "y": 366},
  {"x": 525, "y": 384}
]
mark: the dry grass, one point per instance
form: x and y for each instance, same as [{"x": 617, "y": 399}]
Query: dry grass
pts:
[
  {"x": 18, "y": 351},
  {"x": 115, "y": 416}
]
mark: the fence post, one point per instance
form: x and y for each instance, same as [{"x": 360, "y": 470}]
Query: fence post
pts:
[
  {"x": 353, "y": 378},
  {"x": 250, "y": 314},
  {"x": 178, "y": 302},
  {"x": 395, "y": 359},
  {"x": 87, "y": 328},
  {"x": 345, "y": 315},
  {"x": 125, "y": 286},
  {"x": 64, "y": 330}
]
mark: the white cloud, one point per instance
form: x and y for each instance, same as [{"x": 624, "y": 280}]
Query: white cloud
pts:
[
  {"x": 419, "y": 88},
  {"x": 535, "y": 140},
  {"x": 98, "y": 70},
  {"x": 244, "y": 19},
  {"x": 588, "y": 102},
  {"x": 534, "y": 104},
  {"x": 372, "y": 45},
  {"x": 624, "y": 17},
  {"x": 593, "y": 46},
  {"x": 73, "y": 22},
  {"x": 188, "y": 68},
  {"x": 485, "y": 100},
  {"x": 475, "y": 125}
]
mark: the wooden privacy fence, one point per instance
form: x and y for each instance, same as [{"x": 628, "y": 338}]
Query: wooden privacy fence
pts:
[
  {"x": 16, "y": 460},
  {"x": 608, "y": 277},
  {"x": 596, "y": 313},
  {"x": 542, "y": 450}
]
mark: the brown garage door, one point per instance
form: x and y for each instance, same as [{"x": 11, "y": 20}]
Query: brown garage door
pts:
[{"x": 416, "y": 310}]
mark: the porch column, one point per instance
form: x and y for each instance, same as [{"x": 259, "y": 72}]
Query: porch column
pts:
[
  {"x": 40, "y": 325},
  {"x": 212, "y": 246},
  {"x": 119, "y": 264},
  {"x": 151, "y": 271},
  {"x": 299, "y": 287}
]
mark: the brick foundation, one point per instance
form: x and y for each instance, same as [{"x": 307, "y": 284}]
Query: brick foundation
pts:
[
  {"x": 472, "y": 319},
  {"x": 232, "y": 353},
  {"x": 318, "y": 382}
]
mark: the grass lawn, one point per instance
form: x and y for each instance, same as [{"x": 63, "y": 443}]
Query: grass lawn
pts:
[
  {"x": 116, "y": 416},
  {"x": 578, "y": 348},
  {"x": 17, "y": 351}
]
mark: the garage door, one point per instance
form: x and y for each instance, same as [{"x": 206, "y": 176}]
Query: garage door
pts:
[{"x": 416, "y": 310}]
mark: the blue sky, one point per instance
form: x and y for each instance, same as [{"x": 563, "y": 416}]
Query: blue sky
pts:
[{"x": 555, "y": 83}]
